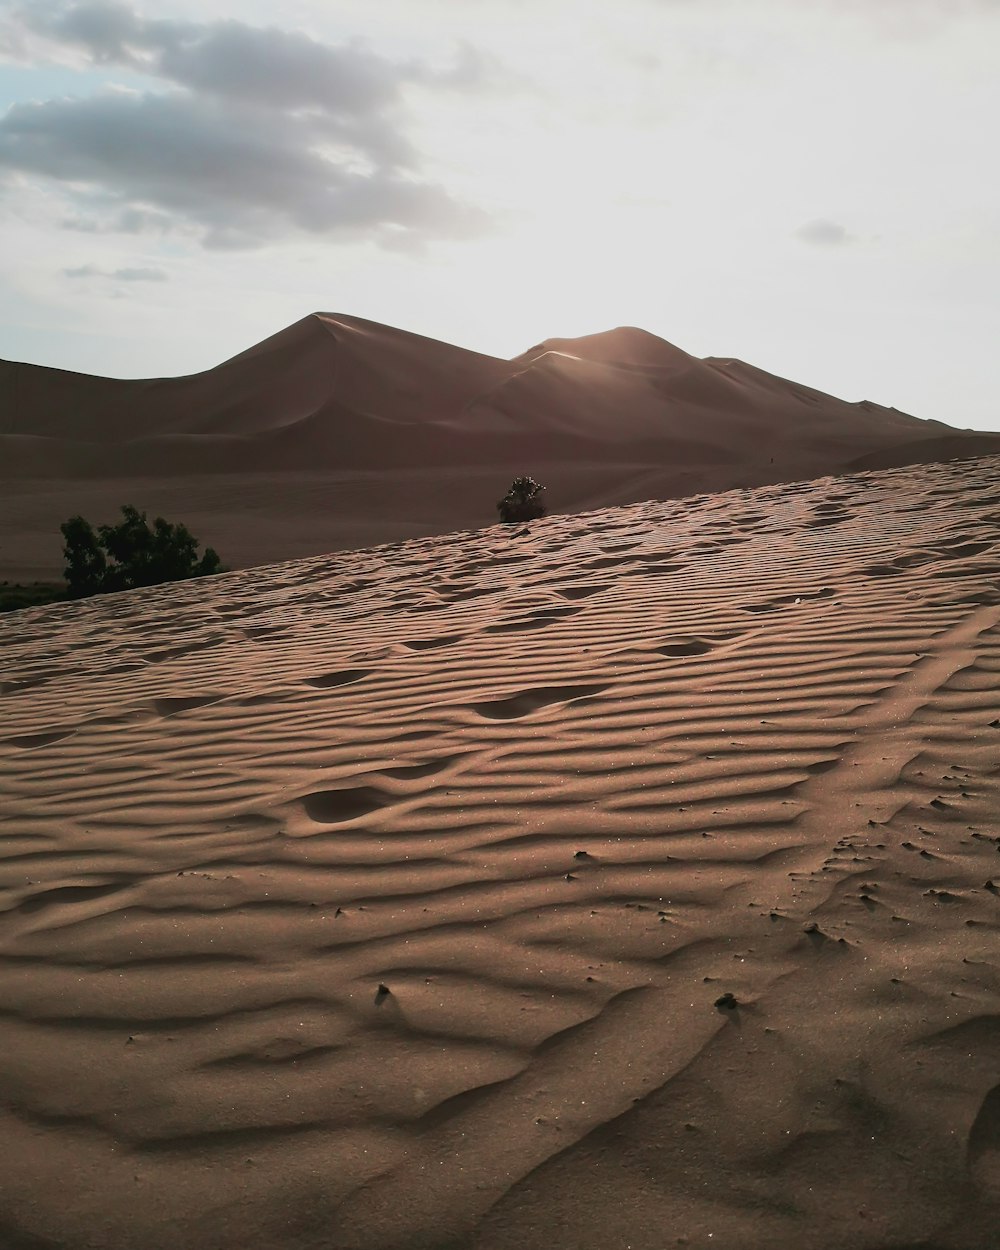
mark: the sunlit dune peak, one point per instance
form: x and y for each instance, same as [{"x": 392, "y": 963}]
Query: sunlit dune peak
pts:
[
  {"x": 625, "y": 345},
  {"x": 542, "y": 356}
]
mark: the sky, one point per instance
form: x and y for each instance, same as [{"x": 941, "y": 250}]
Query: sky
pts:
[{"x": 808, "y": 185}]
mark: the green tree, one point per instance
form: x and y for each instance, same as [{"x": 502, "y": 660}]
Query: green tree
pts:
[
  {"x": 131, "y": 553},
  {"x": 523, "y": 501},
  {"x": 86, "y": 565}
]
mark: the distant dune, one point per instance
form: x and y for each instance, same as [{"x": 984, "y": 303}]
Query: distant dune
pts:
[
  {"x": 626, "y": 880},
  {"x": 398, "y": 435}
]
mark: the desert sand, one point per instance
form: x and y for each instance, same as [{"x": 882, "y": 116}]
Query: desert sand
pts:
[
  {"x": 339, "y": 433},
  {"x": 626, "y": 880}
]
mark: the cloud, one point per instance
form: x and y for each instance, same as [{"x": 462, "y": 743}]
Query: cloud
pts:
[
  {"x": 823, "y": 233},
  {"x": 127, "y": 221},
  {"x": 243, "y": 178},
  {"x": 126, "y": 274},
  {"x": 256, "y": 132},
  {"x": 350, "y": 89}
]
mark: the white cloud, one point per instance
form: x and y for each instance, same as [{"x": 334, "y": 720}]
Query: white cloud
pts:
[
  {"x": 127, "y": 273},
  {"x": 824, "y": 233},
  {"x": 256, "y": 133}
]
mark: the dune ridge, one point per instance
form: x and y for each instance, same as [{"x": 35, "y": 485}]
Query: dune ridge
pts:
[
  {"x": 611, "y": 388},
  {"x": 405, "y": 436},
  {"x": 632, "y": 878}
]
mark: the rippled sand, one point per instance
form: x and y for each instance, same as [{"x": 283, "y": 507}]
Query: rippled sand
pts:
[{"x": 628, "y": 880}]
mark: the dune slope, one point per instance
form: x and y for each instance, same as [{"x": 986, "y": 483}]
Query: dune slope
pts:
[
  {"x": 631, "y": 879},
  {"x": 427, "y": 434}
]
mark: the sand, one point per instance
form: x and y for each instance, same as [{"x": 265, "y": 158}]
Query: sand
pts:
[
  {"x": 626, "y": 880},
  {"x": 339, "y": 433}
]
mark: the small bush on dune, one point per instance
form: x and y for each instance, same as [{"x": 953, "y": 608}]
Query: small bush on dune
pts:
[
  {"x": 130, "y": 554},
  {"x": 523, "y": 502}
]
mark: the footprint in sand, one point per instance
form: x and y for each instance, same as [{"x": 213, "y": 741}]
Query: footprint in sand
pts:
[
  {"x": 413, "y": 772},
  {"x": 827, "y": 514},
  {"x": 67, "y": 894},
  {"x": 171, "y": 706},
  {"x": 981, "y": 598},
  {"x": 332, "y": 807},
  {"x": 606, "y": 562},
  {"x": 458, "y": 595},
  {"x": 349, "y": 802},
  {"x": 528, "y": 701},
  {"x": 24, "y": 683},
  {"x": 579, "y": 592},
  {"x": 685, "y": 646},
  {"x": 343, "y": 677},
  {"x": 27, "y": 742},
  {"x": 429, "y": 644},
  {"x": 537, "y": 620},
  {"x": 175, "y": 653},
  {"x": 962, "y": 550}
]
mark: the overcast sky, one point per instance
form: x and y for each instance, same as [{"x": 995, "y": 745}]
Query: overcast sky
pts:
[{"x": 809, "y": 185}]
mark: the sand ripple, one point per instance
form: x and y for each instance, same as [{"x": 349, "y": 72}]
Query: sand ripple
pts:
[{"x": 394, "y": 899}]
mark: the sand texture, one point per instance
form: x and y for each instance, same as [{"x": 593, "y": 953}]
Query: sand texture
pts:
[
  {"x": 632, "y": 879},
  {"x": 338, "y": 433}
]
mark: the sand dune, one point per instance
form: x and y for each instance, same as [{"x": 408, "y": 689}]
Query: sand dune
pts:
[
  {"x": 327, "y": 405},
  {"x": 628, "y": 880}
]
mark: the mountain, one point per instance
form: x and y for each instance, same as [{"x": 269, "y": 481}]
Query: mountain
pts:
[{"x": 605, "y": 418}]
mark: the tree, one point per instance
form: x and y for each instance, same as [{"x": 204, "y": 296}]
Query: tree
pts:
[
  {"x": 130, "y": 554},
  {"x": 523, "y": 502},
  {"x": 86, "y": 566}
]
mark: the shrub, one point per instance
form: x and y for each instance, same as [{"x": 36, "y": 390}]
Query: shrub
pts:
[
  {"x": 130, "y": 554},
  {"x": 31, "y": 595},
  {"x": 86, "y": 565},
  {"x": 523, "y": 501}
]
